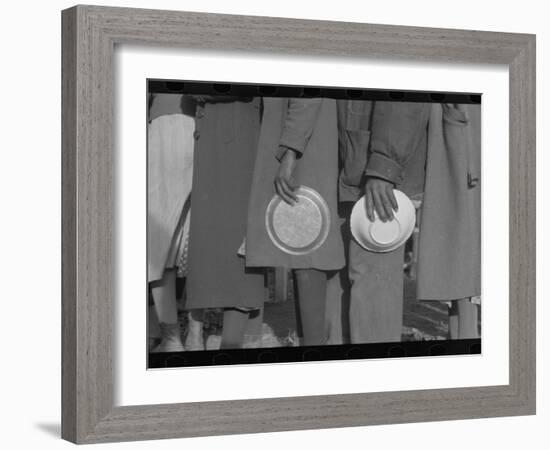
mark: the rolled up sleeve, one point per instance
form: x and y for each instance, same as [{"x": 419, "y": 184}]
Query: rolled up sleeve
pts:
[
  {"x": 382, "y": 166},
  {"x": 396, "y": 128}
]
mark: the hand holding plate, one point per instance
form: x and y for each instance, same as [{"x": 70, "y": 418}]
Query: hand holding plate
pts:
[
  {"x": 283, "y": 180},
  {"x": 379, "y": 196}
]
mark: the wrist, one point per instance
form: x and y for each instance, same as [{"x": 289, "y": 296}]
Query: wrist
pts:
[
  {"x": 379, "y": 179},
  {"x": 284, "y": 152}
]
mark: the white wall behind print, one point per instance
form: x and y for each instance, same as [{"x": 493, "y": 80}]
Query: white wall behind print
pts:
[{"x": 30, "y": 238}]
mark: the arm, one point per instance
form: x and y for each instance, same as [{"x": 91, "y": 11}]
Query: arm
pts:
[
  {"x": 396, "y": 128},
  {"x": 300, "y": 121},
  {"x": 298, "y": 127}
]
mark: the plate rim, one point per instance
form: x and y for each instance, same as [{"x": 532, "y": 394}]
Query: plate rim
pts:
[
  {"x": 398, "y": 243},
  {"x": 325, "y": 228}
]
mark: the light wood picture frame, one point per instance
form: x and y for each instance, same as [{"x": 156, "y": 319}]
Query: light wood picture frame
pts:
[{"x": 89, "y": 36}]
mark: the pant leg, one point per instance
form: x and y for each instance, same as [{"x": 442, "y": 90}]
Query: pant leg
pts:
[
  {"x": 253, "y": 329},
  {"x": 376, "y": 298},
  {"x": 234, "y": 325}
]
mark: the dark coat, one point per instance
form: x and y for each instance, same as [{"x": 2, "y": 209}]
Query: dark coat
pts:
[
  {"x": 307, "y": 126},
  {"x": 225, "y": 151}
]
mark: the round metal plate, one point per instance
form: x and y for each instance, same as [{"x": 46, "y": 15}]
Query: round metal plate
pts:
[{"x": 301, "y": 228}]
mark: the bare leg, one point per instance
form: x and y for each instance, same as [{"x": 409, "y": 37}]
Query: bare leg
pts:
[
  {"x": 164, "y": 298},
  {"x": 253, "y": 329},
  {"x": 234, "y": 325},
  {"x": 312, "y": 292},
  {"x": 453, "y": 321},
  {"x": 468, "y": 315},
  {"x": 194, "y": 339},
  {"x": 463, "y": 319},
  {"x": 153, "y": 329},
  {"x": 297, "y": 313}
]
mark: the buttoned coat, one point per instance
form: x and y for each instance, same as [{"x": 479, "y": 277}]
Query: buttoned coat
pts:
[{"x": 449, "y": 255}]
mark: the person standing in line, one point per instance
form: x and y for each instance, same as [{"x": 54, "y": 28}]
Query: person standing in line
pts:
[
  {"x": 449, "y": 251},
  {"x": 382, "y": 146},
  {"x": 387, "y": 145},
  {"x": 170, "y": 165},
  {"x": 297, "y": 147},
  {"x": 226, "y": 140}
]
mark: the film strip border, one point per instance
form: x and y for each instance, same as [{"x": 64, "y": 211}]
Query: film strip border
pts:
[
  {"x": 265, "y": 90},
  {"x": 319, "y": 353}
]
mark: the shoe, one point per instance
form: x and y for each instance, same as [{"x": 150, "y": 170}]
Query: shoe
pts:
[
  {"x": 194, "y": 344},
  {"x": 213, "y": 342},
  {"x": 171, "y": 340}
]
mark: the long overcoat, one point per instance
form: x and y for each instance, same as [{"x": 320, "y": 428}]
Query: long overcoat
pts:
[
  {"x": 226, "y": 142},
  {"x": 449, "y": 255},
  {"x": 307, "y": 126}
]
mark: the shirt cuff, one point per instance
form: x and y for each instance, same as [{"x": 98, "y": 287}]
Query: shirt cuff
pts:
[
  {"x": 380, "y": 166},
  {"x": 282, "y": 149}
]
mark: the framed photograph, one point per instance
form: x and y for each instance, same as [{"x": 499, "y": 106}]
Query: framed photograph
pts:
[
  {"x": 250, "y": 285},
  {"x": 306, "y": 224}
]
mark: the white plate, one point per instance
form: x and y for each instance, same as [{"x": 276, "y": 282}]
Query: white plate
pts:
[{"x": 381, "y": 236}]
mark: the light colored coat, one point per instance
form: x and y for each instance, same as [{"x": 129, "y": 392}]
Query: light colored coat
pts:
[
  {"x": 170, "y": 167},
  {"x": 449, "y": 256}
]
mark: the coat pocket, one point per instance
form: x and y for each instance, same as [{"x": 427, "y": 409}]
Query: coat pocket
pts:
[
  {"x": 454, "y": 115},
  {"x": 358, "y": 115}
]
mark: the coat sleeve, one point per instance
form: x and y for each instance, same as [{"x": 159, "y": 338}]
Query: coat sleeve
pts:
[
  {"x": 396, "y": 128},
  {"x": 299, "y": 123}
]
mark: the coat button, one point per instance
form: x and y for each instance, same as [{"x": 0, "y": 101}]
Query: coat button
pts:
[{"x": 196, "y": 134}]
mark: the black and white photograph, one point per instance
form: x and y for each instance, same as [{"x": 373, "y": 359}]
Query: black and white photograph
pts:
[{"x": 318, "y": 227}]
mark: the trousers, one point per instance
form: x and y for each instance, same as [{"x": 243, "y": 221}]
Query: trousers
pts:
[
  {"x": 376, "y": 295},
  {"x": 365, "y": 300}
]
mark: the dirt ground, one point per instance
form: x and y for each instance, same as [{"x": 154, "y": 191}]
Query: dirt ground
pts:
[{"x": 421, "y": 320}]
